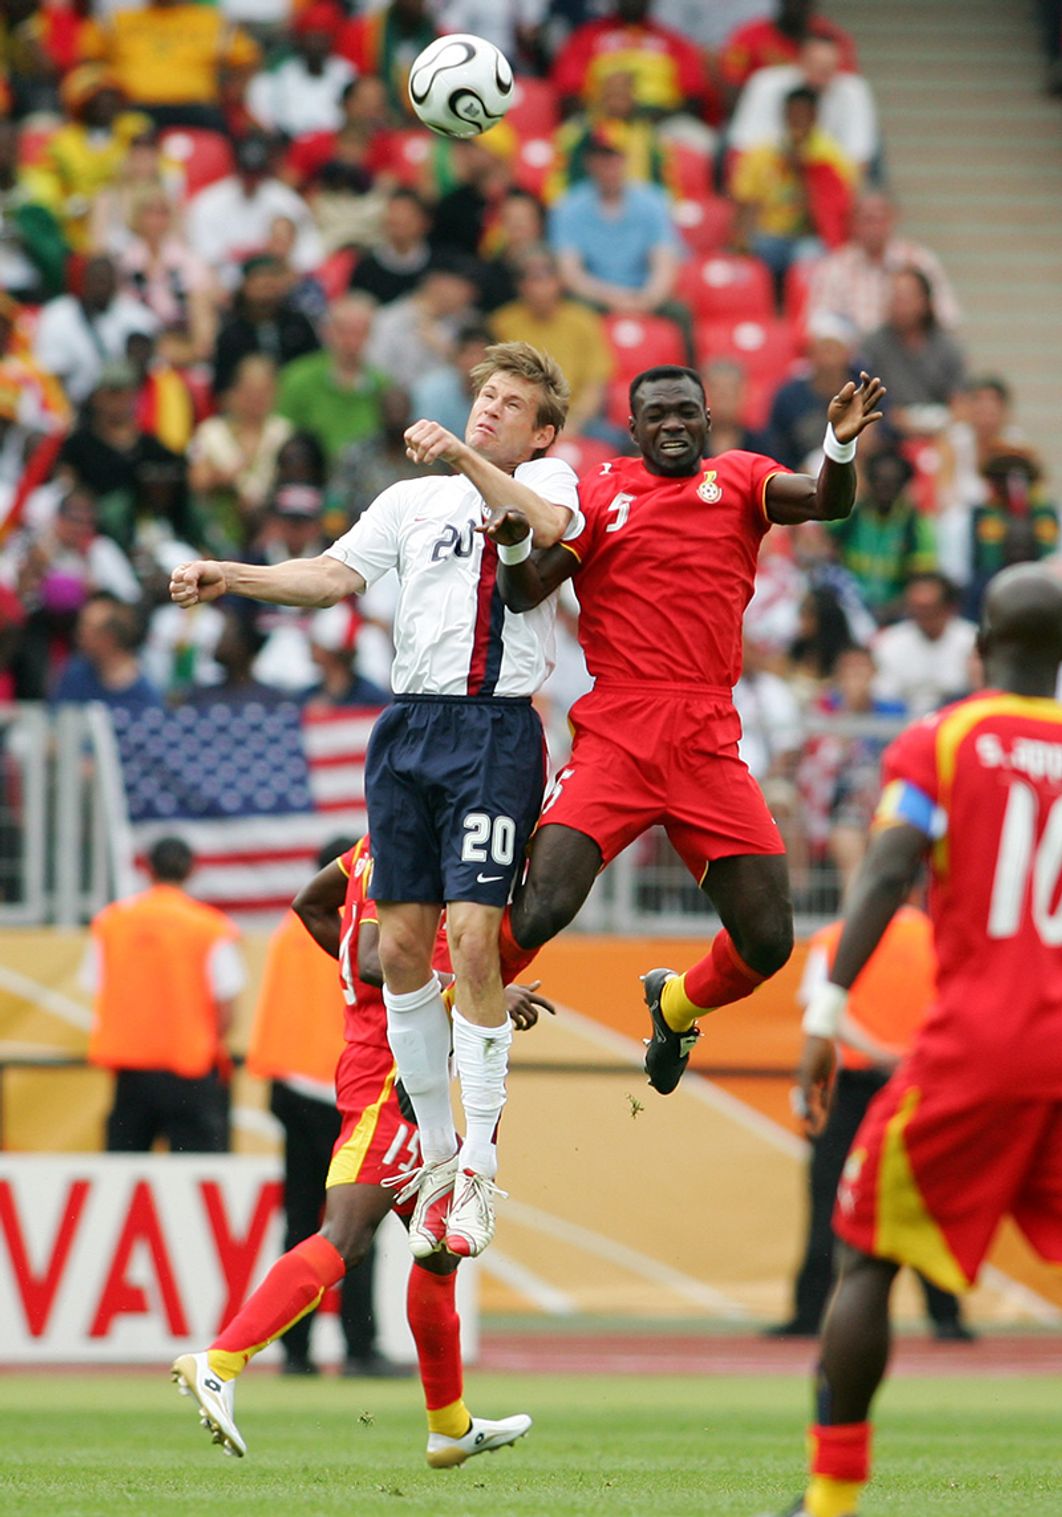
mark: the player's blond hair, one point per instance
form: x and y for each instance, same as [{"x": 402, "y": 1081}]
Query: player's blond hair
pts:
[{"x": 529, "y": 363}]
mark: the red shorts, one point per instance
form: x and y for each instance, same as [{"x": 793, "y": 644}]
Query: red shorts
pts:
[
  {"x": 376, "y": 1142},
  {"x": 669, "y": 757},
  {"x": 929, "y": 1178}
]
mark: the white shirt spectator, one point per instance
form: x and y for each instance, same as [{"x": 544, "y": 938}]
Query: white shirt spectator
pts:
[
  {"x": 74, "y": 345},
  {"x": 292, "y": 100},
  {"x": 770, "y": 721},
  {"x": 851, "y": 284},
  {"x": 709, "y": 22},
  {"x": 846, "y": 111},
  {"x": 226, "y": 225},
  {"x": 103, "y": 566},
  {"x": 426, "y": 529},
  {"x": 923, "y": 672},
  {"x": 495, "y": 20}
]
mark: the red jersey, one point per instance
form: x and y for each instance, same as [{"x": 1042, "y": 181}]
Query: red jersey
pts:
[
  {"x": 760, "y": 44},
  {"x": 983, "y": 778},
  {"x": 365, "y": 1016},
  {"x": 665, "y": 66},
  {"x": 667, "y": 567}
]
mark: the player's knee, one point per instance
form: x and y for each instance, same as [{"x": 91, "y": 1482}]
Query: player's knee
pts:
[
  {"x": 350, "y": 1239},
  {"x": 768, "y": 945},
  {"x": 539, "y": 916},
  {"x": 402, "y": 957},
  {"x": 474, "y": 947}
]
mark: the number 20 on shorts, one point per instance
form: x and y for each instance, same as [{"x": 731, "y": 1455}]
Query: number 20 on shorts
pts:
[{"x": 487, "y": 838}]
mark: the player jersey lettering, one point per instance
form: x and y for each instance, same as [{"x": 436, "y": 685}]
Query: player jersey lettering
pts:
[
  {"x": 991, "y": 767},
  {"x": 667, "y": 567},
  {"x": 453, "y": 634}
]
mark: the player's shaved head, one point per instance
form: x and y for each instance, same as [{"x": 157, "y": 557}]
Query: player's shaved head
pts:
[{"x": 1020, "y": 638}]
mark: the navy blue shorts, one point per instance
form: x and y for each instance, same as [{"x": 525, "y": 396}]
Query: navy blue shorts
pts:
[{"x": 453, "y": 787}]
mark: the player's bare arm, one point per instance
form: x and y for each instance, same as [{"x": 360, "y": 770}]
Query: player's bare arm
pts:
[
  {"x": 793, "y": 498},
  {"x": 527, "y": 584},
  {"x": 318, "y": 905},
  {"x": 891, "y": 866},
  {"x": 314, "y": 582}
]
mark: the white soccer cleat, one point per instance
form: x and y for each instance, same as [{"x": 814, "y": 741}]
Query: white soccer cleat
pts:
[
  {"x": 471, "y": 1225},
  {"x": 433, "y": 1186},
  {"x": 192, "y": 1375},
  {"x": 483, "y": 1437}
]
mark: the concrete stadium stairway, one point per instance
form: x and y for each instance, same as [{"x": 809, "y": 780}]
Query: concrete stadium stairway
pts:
[{"x": 974, "y": 156}]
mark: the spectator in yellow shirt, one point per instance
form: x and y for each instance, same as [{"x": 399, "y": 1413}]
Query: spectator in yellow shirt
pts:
[
  {"x": 572, "y": 333},
  {"x": 167, "y": 58},
  {"x": 88, "y": 153}
]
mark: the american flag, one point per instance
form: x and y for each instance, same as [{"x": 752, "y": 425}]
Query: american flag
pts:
[{"x": 255, "y": 789}]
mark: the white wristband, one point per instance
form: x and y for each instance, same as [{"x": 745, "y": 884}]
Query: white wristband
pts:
[
  {"x": 824, "y": 1011},
  {"x": 515, "y": 553},
  {"x": 837, "y": 452}
]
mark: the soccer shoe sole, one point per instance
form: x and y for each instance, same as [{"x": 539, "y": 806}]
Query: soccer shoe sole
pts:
[
  {"x": 667, "y": 1052},
  {"x": 183, "y": 1375},
  {"x": 460, "y": 1450}
]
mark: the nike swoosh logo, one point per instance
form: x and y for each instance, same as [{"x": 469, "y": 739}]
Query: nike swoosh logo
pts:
[{"x": 486, "y": 879}]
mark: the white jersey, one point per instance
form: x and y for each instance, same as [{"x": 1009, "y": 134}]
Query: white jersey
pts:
[{"x": 453, "y": 634}]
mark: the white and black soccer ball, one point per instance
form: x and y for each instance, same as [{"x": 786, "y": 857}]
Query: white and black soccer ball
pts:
[{"x": 461, "y": 86}]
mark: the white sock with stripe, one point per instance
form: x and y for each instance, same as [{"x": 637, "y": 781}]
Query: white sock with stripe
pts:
[
  {"x": 418, "y": 1031},
  {"x": 482, "y": 1058}
]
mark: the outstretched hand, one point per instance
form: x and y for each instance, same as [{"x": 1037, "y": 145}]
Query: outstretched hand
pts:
[
  {"x": 524, "y": 1005},
  {"x": 814, "y": 1088},
  {"x": 194, "y": 584},
  {"x": 507, "y": 527},
  {"x": 428, "y": 443},
  {"x": 855, "y": 407}
]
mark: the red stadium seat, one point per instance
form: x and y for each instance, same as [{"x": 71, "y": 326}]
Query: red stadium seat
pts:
[
  {"x": 534, "y": 165},
  {"x": 797, "y": 286},
  {"x": 763, "y": 348},
  {"x": 411, "y": 152},
  {"x": 334, "y": 274},
  {"x": 727, "y": 287},
  {"x": 638, "y": 342},
  {"x": 204, "y": 156},
  {"x": 534, "y": 111},
  {"x": 689, "y": 171},
  {"x": 584, "y": 454},
  {"x": 706, "y": 222}
]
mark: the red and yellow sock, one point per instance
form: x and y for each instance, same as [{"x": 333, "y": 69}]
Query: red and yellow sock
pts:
[
  {"x": 293, "y": 1287},
  {"x": 840, "y": 1467},
  {"x": 432, "y": 1315},
  {"x": 514, "y": 959},
  {"x": 720, "y": 977}
]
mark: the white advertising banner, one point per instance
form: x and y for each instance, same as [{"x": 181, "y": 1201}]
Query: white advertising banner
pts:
[{"x": 123, "y": 1259}]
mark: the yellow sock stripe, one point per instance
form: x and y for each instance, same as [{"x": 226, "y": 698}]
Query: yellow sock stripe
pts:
[
  {"x": 679, "y": 1011},
  {"x": 832, "y": 1498},
  {"x": 452, "y": 1421},
  {"x": 346, "y": 1164},
  {"x": 228, "y": 1363}
]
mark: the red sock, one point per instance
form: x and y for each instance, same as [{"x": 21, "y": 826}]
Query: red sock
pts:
[
  {"x": 514, "y": 959},
  {"x": 292, "y": 1287},
  {"x": 721, "y": 976},
  {"x": 436, "y": 1329},
  {"x": 841, "y": 1453}
]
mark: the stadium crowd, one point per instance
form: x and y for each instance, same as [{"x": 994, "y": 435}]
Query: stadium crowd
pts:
[{"x": 234, "y": 268}]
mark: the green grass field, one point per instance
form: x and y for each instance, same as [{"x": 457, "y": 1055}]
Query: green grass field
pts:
[{"x": 83, "y": 1446}]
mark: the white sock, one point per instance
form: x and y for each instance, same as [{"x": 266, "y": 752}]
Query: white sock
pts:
[
  {"x": 482, "y": 1058},
  {"x": 418, "y": 1031}
]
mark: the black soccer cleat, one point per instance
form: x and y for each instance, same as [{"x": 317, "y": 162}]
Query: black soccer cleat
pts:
[{"x": 667, "y": 1052}]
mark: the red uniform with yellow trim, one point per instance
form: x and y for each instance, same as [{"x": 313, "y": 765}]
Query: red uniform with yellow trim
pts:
[
  {"x": 376, "y": 1140},
  {"x": 969, "y": 1130},
  {"x": 666, "y": 569}
]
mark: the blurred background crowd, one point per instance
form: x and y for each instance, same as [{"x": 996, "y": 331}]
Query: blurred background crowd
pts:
[{"x": 234, "y": 268}]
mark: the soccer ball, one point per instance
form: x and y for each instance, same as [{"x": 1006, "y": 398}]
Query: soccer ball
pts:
[{"x": 461, "y": 85}]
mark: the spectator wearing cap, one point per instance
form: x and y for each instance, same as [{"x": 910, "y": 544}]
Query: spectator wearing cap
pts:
[
  {"x": 78, "y": 333},
  {"x": 158, "y": 268},
  {"x": 262, "y": 321},
  {"x": 616, "y": 244},
  {"x": 886, "y": 539},
  {"x": 385, "y": 42},
  {"x": 416, "y": 334},
  {"x": 135, "y": 479},
  {"x": 164, "y": 970},
  {"x": 574, "y": 334},
  {"x": 794, "y": 197},
  {"x": 336, "y": 393},
  {"x": 33, "y": 250},
  {"x": 394, "y": 266},
  {"x": 853, "y": 280},
  {"x": 767, "y": 41},
  {"x": 846, "y": 109},
  {"x": 303, "y": 93},
  {"x": 166, "y": 57},
  {"x": 230, "y": 220},
  {"x": 334, "y": 649},
  {"x": 106, "y": 667},
  {"x": 232, "y": 456},
  {"x": 798, "y": 409},
  {"x": 88, "y": 152}
]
